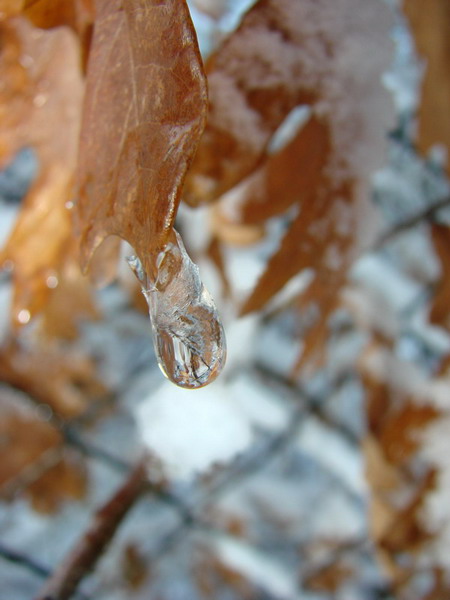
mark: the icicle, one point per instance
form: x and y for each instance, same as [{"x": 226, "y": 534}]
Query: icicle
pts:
[{"x": 188, "y": 336}]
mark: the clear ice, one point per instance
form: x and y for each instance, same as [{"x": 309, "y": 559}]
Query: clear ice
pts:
[{"x": 188, "y": 336}]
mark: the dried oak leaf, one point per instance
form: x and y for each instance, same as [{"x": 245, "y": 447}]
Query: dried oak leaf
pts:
[
  {"x": 40, "y": 103},
  {"x": 34, "y": 461},
  {"x": 50, "y": 374},
  {"x": 288, "y": 53},
  {"x": 430, "y": 24},
  {"x": 144, "y": 110},
  {"x": 284, "y": 55}
]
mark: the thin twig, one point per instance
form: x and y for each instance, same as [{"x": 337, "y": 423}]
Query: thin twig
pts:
[
  {"x": 424, "y": 215},
  {"x": 84, "y": 556},
  {"x": 18, "y": 558}
]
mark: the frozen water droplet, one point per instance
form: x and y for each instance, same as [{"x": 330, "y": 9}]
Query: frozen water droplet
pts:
[{"x": 187, "y": 333}]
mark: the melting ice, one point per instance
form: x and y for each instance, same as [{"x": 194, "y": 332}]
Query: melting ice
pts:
[{"x": 188, "y": 336}]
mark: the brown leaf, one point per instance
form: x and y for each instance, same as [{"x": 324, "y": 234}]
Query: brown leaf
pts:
[
  {"x": 144, "y": 111},
  {"x": 288, "y": 53},
  {"x": 396, "y": 419},
  {"x": 71, "y": 301},
  {"x": 440, "y": 306},
  {"x": 40, "y": 98},
  {"x": 400, "y": 436},
  {"x": 41, "y": 93},
  {"x": 330, "y": 577},
  {"x": 33, "y": 458},
  {"x": 287, "y": 176},
  {"x": 210, "y": 574},
  {"x": 407, "y": 532},
  {"x": 134, "y": 566},
  {"x": 430, "y": 23},
  {"x": 255, "y": 79},
  {"x": 10, "y": 8},
  {"x": 77, "y": 14},
  {"x": 51, "y": 374},
  {"x": 400, "y": 477},
  {"x": 284, "y": 55},
  {"x": 215, "y": 254},
  {"x": 67, "y": 480}
]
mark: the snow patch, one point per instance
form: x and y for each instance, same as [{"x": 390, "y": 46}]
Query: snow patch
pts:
[{"x": 191, "y": 432}]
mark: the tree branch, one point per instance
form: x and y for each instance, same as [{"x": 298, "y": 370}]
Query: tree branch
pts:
[{"x": 84, "y": 556}]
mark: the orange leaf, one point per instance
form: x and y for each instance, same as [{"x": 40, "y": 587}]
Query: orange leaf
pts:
[
  {"x": 51, "y": 374},
  {"x": 77, "y": 14},
  {"x": 53, "y": 13},
  {"x": 34, "y": 460},
  {"x": 10, "y": 8},
  {"x": 288, "y": 53},
  {"x": 40, "y": 103},
  {"x": 144, "y": 111},
  {"x": 430, "y": 23}
]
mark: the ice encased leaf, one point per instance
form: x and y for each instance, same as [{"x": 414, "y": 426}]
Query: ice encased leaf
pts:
[{"x": 188, "y": 336}]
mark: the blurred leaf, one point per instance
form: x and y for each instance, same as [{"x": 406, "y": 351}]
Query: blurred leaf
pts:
[
  {"x": 70, "y": 301},
  {"x": 440, "y": 305},
  {"x": 134, "y": 566},
  {"x": 287, "y": 53},
  {"x": 50, "y": 374},
  {"x": 399, "y": 413},
  {"x": 33, "y": 460},
  {"x": 314, "y": 170},
  {"x": 10, "y": 8},
  {"x": 330, "y": 577},
  {"x": 430, "y": 24},
  {"x": 77, "y": 14},
  {"x": 144, "y": 111},
  {"x": 40, "y": 97},
  {"x": 211, "y": 574},
  {"x": 46, "y": 14}
]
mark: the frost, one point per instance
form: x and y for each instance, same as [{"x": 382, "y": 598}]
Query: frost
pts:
[
  {"x": 192, "y": 432},
  {"x": 188, "y": 336}
]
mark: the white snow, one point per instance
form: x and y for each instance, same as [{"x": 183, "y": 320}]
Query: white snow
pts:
[
  {"x": 192, "y": 431},
  {"x": 259, "y": 404}
]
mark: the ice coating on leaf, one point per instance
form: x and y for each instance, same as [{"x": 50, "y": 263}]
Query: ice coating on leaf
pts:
[
  {"x": 287, "y": 53},
  {"x": 188, "y": 336}
]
